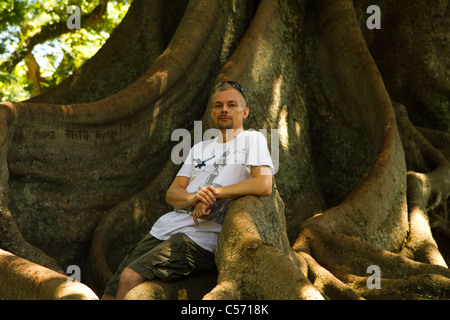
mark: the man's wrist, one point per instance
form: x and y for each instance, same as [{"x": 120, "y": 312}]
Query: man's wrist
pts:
[
  {"x": 191, "y": 200},
  {"x": 219, "y": 192}
]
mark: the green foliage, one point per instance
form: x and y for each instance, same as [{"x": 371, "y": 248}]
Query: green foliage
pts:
[{"x": 59, "y": 57}]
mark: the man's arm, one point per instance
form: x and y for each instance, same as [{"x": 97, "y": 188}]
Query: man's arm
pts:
[
  {"x": 176, "y": 195},
  {"x": 179, "y": 198},
  {"x": 260, "y": 184}
]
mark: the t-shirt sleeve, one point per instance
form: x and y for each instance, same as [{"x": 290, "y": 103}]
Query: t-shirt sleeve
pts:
[
  {"x": 258, "y": 152},
  {"x": 186, "y": 168}
]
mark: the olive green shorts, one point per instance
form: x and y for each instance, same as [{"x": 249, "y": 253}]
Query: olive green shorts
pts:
[{"x": 168, "y": 260}]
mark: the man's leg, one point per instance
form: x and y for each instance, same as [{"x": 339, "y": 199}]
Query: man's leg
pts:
[
  {"x": 106, "y": 296},
  {"x": 145, "y": 245},
  {"x": 128, "y": 280},
  {"x": 172, "y": 259}
]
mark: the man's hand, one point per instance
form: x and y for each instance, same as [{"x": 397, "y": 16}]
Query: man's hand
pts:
[
  {"x": 260, "y": 184},
  {"x": 179, "y": 198},
  {"x": 206, "y": 195},
  {"x": 201, "y": 211}
]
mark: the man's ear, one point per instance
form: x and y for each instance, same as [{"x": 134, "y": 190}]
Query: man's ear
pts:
[{"x": 246, "y": 113}]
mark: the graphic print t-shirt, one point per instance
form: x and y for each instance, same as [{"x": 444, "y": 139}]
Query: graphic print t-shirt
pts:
[{"x": 216, "y": 164}]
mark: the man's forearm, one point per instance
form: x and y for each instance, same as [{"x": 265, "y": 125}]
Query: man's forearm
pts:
[
  {"x": 259, "y": 184},
  {"x": 252, "y": 186},
  {"x": 179, "y": 198}
]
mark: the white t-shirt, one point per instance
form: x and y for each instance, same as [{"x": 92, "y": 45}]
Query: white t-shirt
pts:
[{"x": 217, "y": 164}]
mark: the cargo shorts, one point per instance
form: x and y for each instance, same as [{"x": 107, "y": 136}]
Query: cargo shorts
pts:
[{"x": 168, "y": 260}]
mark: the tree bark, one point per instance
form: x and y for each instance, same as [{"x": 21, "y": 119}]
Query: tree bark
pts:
[{"x": 25, "y": 280}]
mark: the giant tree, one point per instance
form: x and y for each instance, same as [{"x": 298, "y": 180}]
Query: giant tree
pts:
[{"x": 357, "y": 118}]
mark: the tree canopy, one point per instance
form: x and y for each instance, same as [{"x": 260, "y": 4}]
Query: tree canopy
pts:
[{"x": 38, "y": 50}]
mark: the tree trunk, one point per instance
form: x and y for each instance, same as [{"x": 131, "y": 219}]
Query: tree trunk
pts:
[{"x": 84, "y": 177}]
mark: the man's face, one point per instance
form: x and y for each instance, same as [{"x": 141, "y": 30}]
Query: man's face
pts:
[{"x": 228, "y": 111}]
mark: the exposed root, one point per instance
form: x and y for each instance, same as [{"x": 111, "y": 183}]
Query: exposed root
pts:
[
  {"x": 12, "y": 241},
  {"x": 253, "y": 255},
  {"x": 436, "y": 187},
  {"x": 420, "y": 244},
  {"x": 439, "y": 139},
  {"x": 224, "y": 290},
  {"x": 328, "y": 284},
  {"x": 21, "y": 279},
  {"x": 193, "y": 287},
  {"x": 426, "y": 286},
  {"x": 355, "y": 256},
  {"x": 334, "y": 271},
  {"x": 11, "y": 238},
  {"x": 152, "y": 290},
  {"x": 428, "y": 192}
]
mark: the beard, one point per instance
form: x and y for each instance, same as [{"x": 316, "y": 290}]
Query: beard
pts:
[{"x": 221, "y": 125}]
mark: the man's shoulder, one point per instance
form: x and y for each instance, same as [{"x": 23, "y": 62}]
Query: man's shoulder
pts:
[
  {"x": 204, "y": 143},
  {"x": 253, "y": 134},
  {"x": 248, "y": 135}
]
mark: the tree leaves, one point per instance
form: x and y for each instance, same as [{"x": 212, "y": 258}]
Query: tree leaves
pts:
[{"x": 39, "y": 28}]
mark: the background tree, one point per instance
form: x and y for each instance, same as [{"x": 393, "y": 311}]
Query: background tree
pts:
[
  {"x": 363, "y": 149},
  {"x": 30, "y": 29}
]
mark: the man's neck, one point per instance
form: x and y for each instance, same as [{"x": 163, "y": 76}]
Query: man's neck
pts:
[{"x": 229, "y": 134}]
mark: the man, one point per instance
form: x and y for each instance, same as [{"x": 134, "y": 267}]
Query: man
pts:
[{"x": 215, "y": 172}]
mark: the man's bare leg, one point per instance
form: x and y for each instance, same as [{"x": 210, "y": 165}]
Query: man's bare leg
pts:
[
  {"x": 108, "y": 297},
  {"x": 128, "y": 280}
]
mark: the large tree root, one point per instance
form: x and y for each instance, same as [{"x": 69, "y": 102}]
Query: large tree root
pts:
[
  {"x": 428, "y": 192},
  {"x": 327, "y": 283},
  {"x": 345, "y": 239},
  {"x": 192, "y": 288},
  {"x": 254, "y": 258},
  {"x": 21, "y": 279},
  {"x": 424, "y": 286},
  {"x": 11, "y": 238}
]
